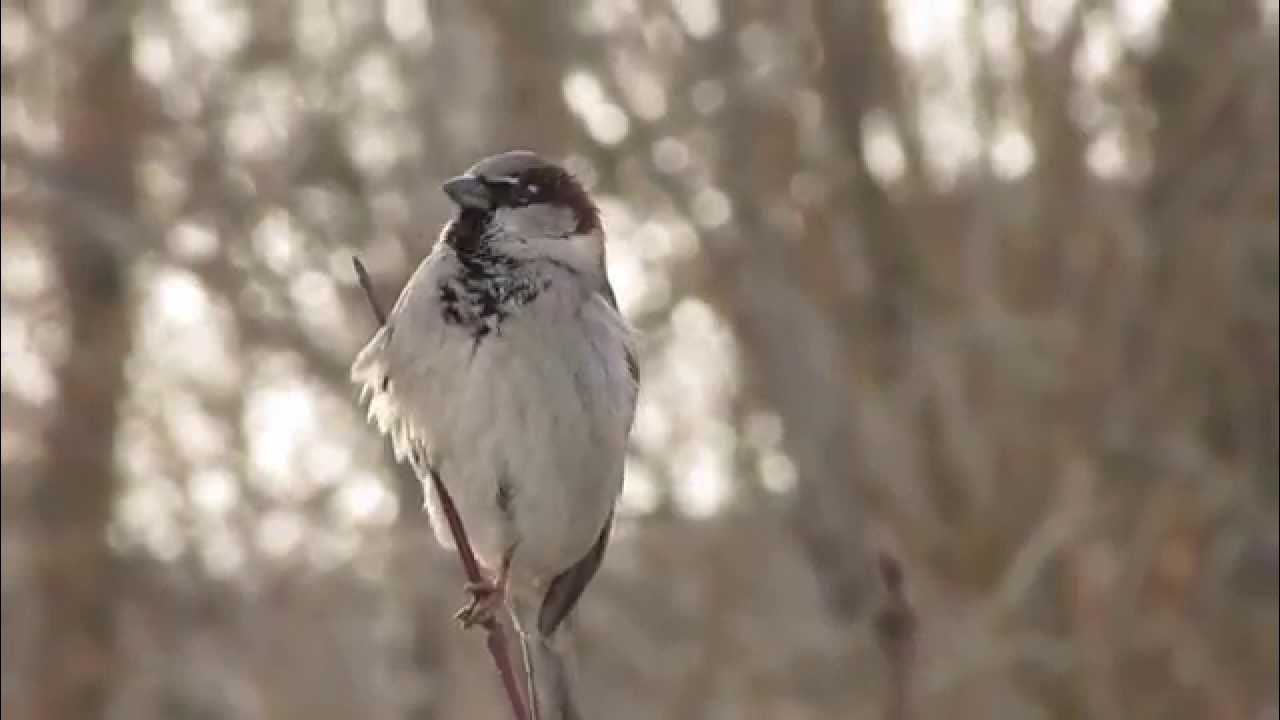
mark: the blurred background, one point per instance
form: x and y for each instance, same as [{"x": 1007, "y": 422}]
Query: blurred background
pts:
[{"x": 990, "y": 285}]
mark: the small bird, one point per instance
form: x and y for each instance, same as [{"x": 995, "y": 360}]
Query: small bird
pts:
[{"x": 505, "y": 370}]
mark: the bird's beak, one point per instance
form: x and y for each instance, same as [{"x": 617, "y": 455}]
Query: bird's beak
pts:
[{"x": 469, "y": 192}]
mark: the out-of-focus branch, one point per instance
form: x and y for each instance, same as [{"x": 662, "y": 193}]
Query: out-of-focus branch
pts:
[
  {"x": 896, "y": 632},
  {"x": 1060, "y": 173},
  {"x": 861, "y": 75},
  {"x": 82, "y": 203},
  {"x": 496, "y": 638},
  {"x": 862, "y": 72}
]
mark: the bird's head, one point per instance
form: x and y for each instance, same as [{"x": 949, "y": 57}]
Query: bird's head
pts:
[{"x": 520, "y": 205}]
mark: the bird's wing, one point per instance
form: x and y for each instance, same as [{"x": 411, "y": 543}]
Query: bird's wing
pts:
[
  {"x": 565, "y": 590},
  {"x": 381, "y": 368},
  {"x": 633, "y": 363}
]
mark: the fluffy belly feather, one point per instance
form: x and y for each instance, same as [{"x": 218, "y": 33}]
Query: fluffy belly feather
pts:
[{"x": 527, "y": 443}]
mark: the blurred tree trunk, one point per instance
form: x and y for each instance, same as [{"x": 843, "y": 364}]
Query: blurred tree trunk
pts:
[
  {"x": 74, "y": 497},
  {"x": 542, "y": 45},
  {"x": 785, "y": 313}
]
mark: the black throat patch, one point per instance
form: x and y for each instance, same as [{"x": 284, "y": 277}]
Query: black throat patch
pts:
[{"x": 489, "y": 286}]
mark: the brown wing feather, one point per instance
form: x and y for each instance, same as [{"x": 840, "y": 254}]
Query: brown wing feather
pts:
[
  {"x": 633, "y": 364},
  {"x": 566, "y": 589}
]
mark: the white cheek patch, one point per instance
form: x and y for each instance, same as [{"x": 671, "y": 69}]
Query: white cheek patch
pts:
[
  {"x": 548, "y": 233},
  {"x": 536, "y": 222}
]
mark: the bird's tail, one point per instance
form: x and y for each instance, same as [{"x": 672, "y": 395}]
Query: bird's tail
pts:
[{"x": 551, "y": 692}]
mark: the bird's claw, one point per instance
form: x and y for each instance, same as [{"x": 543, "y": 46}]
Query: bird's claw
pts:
[{"x": 486, "y": 598}]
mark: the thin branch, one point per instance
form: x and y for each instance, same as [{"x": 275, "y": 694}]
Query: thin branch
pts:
[
  {"x": 366, "y": 284},
  {"x": 496, "y": 638}
]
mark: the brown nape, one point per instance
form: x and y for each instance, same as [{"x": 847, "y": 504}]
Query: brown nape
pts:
[{"x": 564, "y": 189}]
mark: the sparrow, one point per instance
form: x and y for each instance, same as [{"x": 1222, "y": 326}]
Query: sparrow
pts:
[{"x": 506, "y": 371}]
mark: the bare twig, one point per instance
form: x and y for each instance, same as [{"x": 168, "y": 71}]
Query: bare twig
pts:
[
  {"x": 496, "y": 638},
  {"x": 367, "y": 285},
  {"x": 896, "y": 631}
]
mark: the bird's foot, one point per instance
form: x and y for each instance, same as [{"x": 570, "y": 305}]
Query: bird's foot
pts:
[{"x": 486, "y": 598}]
